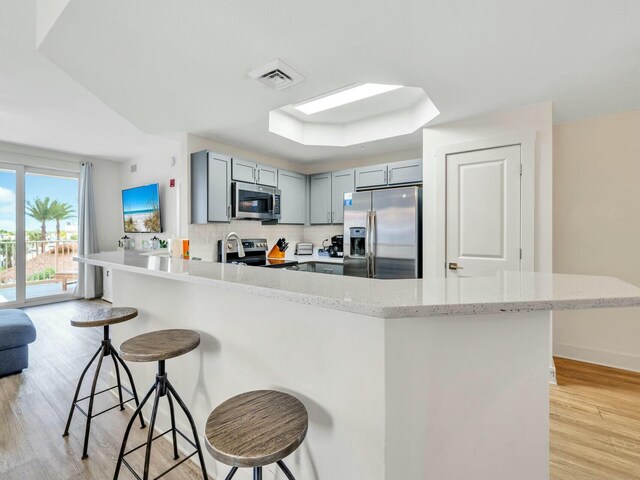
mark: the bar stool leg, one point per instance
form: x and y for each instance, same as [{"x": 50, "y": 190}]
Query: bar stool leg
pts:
[
  {"x": 152, "y": 424},
  {"x": 128, "y": 430},
  {"x": 75, "y": 397},
  {"x": 196, "y": 439},
  {"x": 231, "y": 473},
  {"x": 90, "y": 410},
  {"x": 286, "y": 471},
  {"x": 133, "y": 385},
  {"x": 257, "y": 473},
  {"x": 115, "y": 363},
  {"x": 173, "y": 427}
]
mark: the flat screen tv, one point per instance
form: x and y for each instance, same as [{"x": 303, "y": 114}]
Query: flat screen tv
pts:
[{"x": 141, "y": 209}]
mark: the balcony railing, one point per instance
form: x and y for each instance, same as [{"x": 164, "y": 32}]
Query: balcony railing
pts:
[{"x": 47, "y": 261}]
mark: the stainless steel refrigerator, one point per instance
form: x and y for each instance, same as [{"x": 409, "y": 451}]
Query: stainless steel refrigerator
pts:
[{"x": 383, "y": 233}]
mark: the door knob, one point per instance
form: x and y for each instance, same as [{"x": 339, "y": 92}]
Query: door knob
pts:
[{"x": 454, "y": 266}]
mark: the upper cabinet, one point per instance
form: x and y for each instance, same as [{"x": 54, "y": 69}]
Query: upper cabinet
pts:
[
  {"x": 397, "y": 173},
  {"x": 244, "y": 171},
  {"x": 320, "y": 198},
  {"x": 252, "y": 172},
  {"x": 341, "y": 182},
  {"x": 372, "y": 176},
  {"x": 317, "y": 199},
  {"x": 293, "y": 202},
  {"x": 267, "y": 175},
  {"x": 327, "y": 193},
  {"x": 408, "y": 171},
  {"x": 210, "y": 187}
]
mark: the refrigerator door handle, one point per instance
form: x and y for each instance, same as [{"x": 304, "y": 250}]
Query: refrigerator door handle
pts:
[
  {"x": 367, "y": 246},
  {"x": 372, "y": 245}
]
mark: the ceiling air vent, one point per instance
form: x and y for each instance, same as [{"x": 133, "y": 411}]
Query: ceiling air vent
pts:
[{"x": 277, "y": 75}]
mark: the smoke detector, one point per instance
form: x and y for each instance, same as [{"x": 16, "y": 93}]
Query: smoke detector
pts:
[{"x": 277, "y": 74}]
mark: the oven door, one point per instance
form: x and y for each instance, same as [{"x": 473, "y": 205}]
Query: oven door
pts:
[{"x": 253, "y": 201}]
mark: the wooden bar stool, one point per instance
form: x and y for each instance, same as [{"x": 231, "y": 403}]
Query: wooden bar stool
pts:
[
  {"x": 102, "y": 318},
  {"x": 255, "y": 429},
  {"x": 157, "y": 347}
]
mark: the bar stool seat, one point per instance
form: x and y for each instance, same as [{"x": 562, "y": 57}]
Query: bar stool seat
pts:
[
  {"x": 104, "y": 317},
  {"x": 255, "y": 429},
  {"x": 160, "y": 345}
]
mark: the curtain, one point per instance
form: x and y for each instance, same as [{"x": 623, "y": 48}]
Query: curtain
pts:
[{"x": 89, "y": 276}]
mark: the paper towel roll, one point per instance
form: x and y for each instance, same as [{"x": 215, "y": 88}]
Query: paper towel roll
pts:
[{"x": 176, "y": 247}]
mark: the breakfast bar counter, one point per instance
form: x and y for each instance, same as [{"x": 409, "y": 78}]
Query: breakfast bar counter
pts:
[{"x": 401, "y": 378}]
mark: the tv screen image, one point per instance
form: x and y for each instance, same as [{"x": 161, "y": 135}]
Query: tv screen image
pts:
[{"x": 141, "y": 209}]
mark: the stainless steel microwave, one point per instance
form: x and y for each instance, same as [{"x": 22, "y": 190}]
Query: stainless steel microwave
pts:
[{"x": 254, "y": 202}]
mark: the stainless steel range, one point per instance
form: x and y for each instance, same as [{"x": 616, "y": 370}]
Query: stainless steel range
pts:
[{"x": 255, "y": 250}]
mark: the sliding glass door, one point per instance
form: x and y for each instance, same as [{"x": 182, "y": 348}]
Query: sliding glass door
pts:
[
  {"x": 38, "y": 235},
  {"x": 8, "y": 235},
  {"x": 51, "y": 234}
]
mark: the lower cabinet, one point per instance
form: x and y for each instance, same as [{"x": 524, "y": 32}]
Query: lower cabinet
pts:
[
  {"x": 319, "y": 267},
  {"x": 328, "y": 268},
  {"x": 293, "y": 200}
]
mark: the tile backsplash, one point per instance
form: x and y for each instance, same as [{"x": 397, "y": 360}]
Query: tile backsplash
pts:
[{"x": 203, "y": 238}]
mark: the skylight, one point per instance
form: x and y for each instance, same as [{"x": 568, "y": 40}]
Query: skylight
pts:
[{"x": 350, "y": 94}]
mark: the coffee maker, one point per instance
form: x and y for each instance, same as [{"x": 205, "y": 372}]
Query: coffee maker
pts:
[{"x": 336, "y": 250}]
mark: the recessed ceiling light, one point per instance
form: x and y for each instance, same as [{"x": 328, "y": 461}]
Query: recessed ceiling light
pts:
[{"x": 346, "y": 95}]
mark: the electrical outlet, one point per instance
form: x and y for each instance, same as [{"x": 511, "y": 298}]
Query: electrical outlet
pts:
[
  {"x": 552, "y": 375},
  {"x": 134, "y": 168}
]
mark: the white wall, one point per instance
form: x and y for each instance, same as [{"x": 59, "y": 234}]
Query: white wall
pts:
[
  {"x": 106, "y": 183},
  {"x": 597, "y": 232},
  {"x": 535, "y": 119},
  {"x": 155, "y": 167}
]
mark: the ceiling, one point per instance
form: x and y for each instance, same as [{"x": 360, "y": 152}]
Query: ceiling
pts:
[
  {"x": 169, "y": 67},
  {"x": 41, "y": 106}
]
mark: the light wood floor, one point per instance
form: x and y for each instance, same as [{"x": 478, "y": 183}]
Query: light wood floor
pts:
[
  {"x": 595, "y": 415},
  {"x": 595, "y": 423},
  {"x": 34, "y": 408}
]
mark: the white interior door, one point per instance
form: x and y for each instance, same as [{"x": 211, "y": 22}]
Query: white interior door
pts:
[{"x": 483, "y": 211}]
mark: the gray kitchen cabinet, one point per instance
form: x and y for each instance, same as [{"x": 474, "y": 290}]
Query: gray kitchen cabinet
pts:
[
  {"x": 371, "y": 176},
  {"x": 210, "y": 187},
  {"x": 329, "y": 268},
  {"x": 407, "y": 171},
  {"x": 293, "y": 200},
  {"x": 320, "y": 199},
  {"x": 243, "y": 170},
  {"x": 341, "y": 182},
  {"x": 252, "y": 172},
  {"x": 266, "y": 175}
]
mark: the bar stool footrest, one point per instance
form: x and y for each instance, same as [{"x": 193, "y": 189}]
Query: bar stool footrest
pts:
[
  {"x": 187, "y": 439},
  {"x": 93, "y": 415}
]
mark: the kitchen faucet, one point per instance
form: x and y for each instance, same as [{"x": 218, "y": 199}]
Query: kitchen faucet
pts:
[{"x": 225, "y": 242}]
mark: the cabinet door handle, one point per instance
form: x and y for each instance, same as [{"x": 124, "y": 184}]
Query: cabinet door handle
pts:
[
  {"x": 390, "y": 175},
  {"x": 385, "y": 176},
  {"x": 331, "y": 217},
  {"x": 258, "y": 176},
  {"x": 229, "y": 212}
]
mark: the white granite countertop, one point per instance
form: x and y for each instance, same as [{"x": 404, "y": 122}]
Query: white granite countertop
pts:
[{"x": 507, "y": 292}]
